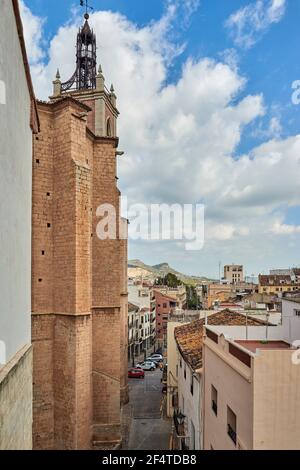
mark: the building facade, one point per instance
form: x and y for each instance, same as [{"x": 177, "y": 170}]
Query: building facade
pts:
[
  {"x": 252, "y": 385},
  {"x": 165, "y": 306},
  {"x": 79, "y": 276},
  {"x": 277, "y": 284},
  {"x": 19, "y": 120},
  {"x": 188, "y": 388},
  {"x": 234, "y": 273},
  {"x": 144, "y": 322}
]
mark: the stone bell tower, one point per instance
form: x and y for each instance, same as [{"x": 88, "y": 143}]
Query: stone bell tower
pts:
[
  {"x": 79, "y": 281},
  {"x": 88, "y": 86}
]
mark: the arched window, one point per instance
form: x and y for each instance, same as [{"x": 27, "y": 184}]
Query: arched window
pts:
[{"x": 108, "y": 128}]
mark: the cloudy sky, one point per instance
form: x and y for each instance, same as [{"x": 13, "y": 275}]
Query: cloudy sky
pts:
[{"x": 205, "y": 94}]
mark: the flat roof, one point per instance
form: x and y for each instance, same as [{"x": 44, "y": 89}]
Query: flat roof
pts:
[{"x": 271, "y": 345}]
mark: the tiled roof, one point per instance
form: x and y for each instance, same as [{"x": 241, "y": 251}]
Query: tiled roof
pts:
[
  {"x": 189, "y": 337},
  {"x": 132, "y": 307},
  {"x": 275, "y": 280}
]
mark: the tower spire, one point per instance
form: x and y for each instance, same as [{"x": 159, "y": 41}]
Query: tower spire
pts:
[{"x": 84, "y": 77}]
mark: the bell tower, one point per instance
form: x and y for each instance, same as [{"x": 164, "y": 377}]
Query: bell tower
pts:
[{"x": 88, "y": 85}]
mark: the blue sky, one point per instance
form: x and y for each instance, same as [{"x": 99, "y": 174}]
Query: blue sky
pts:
[{"x": 265, "y": 53}]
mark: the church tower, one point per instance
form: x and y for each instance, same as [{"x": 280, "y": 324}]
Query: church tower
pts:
[
  {"x": 79, "y": 281},
  {"x": 88, "y": 86}
]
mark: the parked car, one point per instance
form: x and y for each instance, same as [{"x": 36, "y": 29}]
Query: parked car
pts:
[
  {"x": 150, "y": 359},
  {"x": 147, "y": 365},
  {"x": 136, "y": 373},
  {"x": 157, "y": 357}
]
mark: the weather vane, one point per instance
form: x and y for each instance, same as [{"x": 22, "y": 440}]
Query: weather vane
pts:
[{"x": 87, "y": 8}]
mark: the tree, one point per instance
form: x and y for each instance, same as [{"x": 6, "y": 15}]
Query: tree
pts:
[
  {"x": 192, "y": 299},
  {"x": 170, "y": 280}
]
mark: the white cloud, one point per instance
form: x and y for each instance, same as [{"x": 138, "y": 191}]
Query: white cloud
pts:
[
  {"x": 181, "y": 138},
  {"x": 33, "y": 32},
  {"x": 248, "y": 24},
  {"x": 284, "y": 229}
]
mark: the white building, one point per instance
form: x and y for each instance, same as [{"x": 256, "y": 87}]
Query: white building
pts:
[
  {"x": 144, "y": 322},
  {"x": 18, "y": 120},
  {"x": 189, "y": 373},
  {"x": 252, "y": 385}
]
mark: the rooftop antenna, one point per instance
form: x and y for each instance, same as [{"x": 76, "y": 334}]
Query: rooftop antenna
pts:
[{"x": 87, "y": 8}]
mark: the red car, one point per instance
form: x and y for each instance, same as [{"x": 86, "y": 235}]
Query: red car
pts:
[{"x": 136, "y": 374}]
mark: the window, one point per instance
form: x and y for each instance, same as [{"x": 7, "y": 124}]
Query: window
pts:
[
  {"x": 297, "y": 313},
  {"x": 180, "y": 363},
  {"x": 164, "y": 305},
  {"x": 192, "y": 384},
  {"x": 214, "y": 400},
  {"x": 185, "y": 370},
  {"x": 231, "y": 425}
]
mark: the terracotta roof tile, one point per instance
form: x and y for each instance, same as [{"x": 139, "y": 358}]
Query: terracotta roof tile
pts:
[{"x": 189, "y": 337}]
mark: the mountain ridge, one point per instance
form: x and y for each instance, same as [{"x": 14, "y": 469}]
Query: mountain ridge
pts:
[{"x": 162, "y": 269}]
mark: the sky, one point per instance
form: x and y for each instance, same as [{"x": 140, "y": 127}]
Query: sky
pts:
[{"x": 205, "y": 92}]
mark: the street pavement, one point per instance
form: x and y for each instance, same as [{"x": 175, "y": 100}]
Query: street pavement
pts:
[{"x": 148, "y": 430}]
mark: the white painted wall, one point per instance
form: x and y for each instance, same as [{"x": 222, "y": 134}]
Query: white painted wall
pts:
[
  {"x": 188, "y": 403},
  {"x": 15, "y": 189}
]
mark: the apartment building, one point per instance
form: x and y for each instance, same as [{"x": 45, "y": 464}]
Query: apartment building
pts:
[
  {"x": 186, "y": 376},
  {"x": 134, "y": 333},
  {"x": 141, "y": 297},
  {"x": 252, "y": 385},
  {"x": 278, "y": 283},
  {"x": 234, "y": 273},
  {"x": 167, "y": 301}
]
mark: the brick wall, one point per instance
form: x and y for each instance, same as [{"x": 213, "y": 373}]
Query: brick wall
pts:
[{"x": 79, "y": 285}]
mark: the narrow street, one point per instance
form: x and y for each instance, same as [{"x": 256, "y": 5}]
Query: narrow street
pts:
[{"x": 148, "y": 430}]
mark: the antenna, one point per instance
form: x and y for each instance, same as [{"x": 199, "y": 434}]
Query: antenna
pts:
[{"x": 87, "y": 8}]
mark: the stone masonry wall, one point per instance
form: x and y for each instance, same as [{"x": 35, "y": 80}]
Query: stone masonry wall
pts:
[
  {"x": 16, "y": 402},
  {"x": 79, "y": 285}
]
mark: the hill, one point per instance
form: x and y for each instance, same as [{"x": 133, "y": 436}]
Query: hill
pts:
[{"x": 137, "y": 268}]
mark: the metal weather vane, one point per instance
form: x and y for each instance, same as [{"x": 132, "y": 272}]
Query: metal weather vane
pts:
[{"x": 87, "y": 8}]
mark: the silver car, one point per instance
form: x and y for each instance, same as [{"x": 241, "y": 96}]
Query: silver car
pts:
[{"x": 147, "y": 366}]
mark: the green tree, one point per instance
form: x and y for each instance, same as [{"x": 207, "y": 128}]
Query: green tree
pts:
[{"x": 169, "y": 280}]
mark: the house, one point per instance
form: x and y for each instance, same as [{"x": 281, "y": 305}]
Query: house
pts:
[
  {"x": 277, "y": 284},
  {"x": 187, "y": 386},
  {"x": 252, "y": 385}
]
